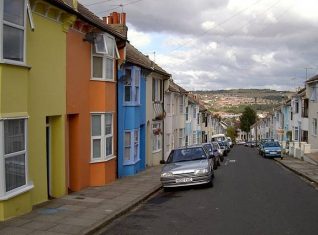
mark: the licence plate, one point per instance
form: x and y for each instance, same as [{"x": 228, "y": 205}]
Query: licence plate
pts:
[
  {"x": 184, "y": 180},
  {"x": 272, "y": 152}
]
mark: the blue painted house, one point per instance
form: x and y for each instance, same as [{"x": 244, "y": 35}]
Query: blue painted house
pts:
[{"x": 132, "y": 112}]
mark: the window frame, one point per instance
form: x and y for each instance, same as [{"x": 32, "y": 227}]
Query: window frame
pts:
[
  {"x": 133, "y": 86},
  {"x": 4, "y": 195},
  {"x": 181, "y": 133},
  {"x": 105, "y": 56},
  {"x": 156, "y": 139},
  {"x": 13, "y": 25},
  {"x": 314, "y": 126},
  {"x": 132, "y": 159},
  {"x": 103, "y": 137},
  {"x": 157, "y": 89}
]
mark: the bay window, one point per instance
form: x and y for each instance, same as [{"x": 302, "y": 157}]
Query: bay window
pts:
[
  {"x": 13, "y": 156},
  {"x": 157, "y": 90},
  {"x": 103, "y": 59},
  {"x": 13, "y": 30},
  {"x": 132, "y": 85},
  {"x": 101, "y": 136},
  {"x": 156, "y": 136},
  {"x": 131, "y": 146}
]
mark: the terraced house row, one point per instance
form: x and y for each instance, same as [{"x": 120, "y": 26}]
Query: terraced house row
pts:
[
  {"x": 294, "y": 123},
  {"x": 80, "y": 106}
]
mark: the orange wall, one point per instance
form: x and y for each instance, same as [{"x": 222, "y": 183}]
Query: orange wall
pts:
[{"x": 83, "y": 97}]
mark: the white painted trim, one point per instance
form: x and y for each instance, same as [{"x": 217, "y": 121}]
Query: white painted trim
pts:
[
  {"x": 2, "y": 178},
  {"x": 17, "y": 192},
  {"x": 103, "y": 160}
]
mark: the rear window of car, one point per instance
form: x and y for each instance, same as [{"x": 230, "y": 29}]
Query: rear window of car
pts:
[
  {"x": 208, "y": 147},
  {"x": 186, "y": 154},
  {"x": 272, "y": 144}
]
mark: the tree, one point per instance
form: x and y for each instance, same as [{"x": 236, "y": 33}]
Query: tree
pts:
[
  {"x": 231, "y": 132},
  {"x": 247, "y": 119}
]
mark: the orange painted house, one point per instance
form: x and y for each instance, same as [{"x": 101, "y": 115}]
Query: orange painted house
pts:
[{"x": 94, "y": 50}]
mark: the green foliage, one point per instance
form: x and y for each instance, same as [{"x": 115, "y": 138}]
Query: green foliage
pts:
[
  {"x": 247, "y": 119},
  {"x": 231, "y": 132}
]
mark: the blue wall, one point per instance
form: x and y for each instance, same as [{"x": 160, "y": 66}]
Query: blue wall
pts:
[
  {"x": 287, "y": 121},
  {"x": 131, "y": 117}
]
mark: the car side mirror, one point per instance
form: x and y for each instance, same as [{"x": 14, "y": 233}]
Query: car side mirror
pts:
[{"x": 162, "y": 162}]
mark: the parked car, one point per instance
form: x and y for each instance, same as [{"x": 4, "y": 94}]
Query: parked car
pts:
[
  {"x": 224, "y": 146},
  {"x": 220, "y": 150},
  {"x": 185, "y": 166},
  {"x": 261, "y": 144},
  {"x": 214, "y": 153},
  {"x": 272, "y": 149},
  {"x": 251, "y": 144},
  {"x": 229, "y": 140}
]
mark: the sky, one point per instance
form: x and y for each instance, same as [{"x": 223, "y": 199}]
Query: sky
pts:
[{"x": 224, "y": 44}]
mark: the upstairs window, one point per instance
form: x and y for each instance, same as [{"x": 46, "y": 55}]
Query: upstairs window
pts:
[
  {"x": 157, "y": 90},
  {"x": 187, "y": 113},
  {"x": 103, "y": 59},
  {"x": 132, "y": 86},
  {"x": 13, "y": 30},
  {"x": 314, "y": 126},
  {"x": 314, "y": 94},
  {"x": 181, "y": 105}
]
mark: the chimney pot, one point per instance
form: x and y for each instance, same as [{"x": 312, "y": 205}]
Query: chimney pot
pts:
[
  {"x": 123, "y": 18},
  {"x": 115, "y": 16}
]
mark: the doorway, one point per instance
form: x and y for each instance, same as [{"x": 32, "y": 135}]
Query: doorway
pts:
[{"x": 48, "y": 158}]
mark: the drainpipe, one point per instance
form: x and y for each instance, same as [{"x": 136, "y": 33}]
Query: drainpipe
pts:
[{"x": 163, "y": 122}]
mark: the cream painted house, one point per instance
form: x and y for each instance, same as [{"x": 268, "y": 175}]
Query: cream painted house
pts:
[{"x": 312, "y": 94}]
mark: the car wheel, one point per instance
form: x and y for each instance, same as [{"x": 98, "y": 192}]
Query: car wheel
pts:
[
  {"x": 221, "y": 158},
  {"x": 219, "y": 164},
  {"x": 166, "y": 189},
  {"x": 210, "y": 184}
]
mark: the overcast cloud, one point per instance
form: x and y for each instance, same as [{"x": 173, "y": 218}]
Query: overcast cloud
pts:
[{"x": 223, "y": 44}]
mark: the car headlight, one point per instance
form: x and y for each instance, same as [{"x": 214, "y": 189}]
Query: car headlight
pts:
[
  {"x": 266, "y": 151},
  {"x": 201, "y": 171},
  {"x": 166, "y": 174}
]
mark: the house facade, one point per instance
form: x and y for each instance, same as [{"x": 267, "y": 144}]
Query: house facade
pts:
[
  {"x": 132, "y": 112},
  {"x": 94, "y": 50},
  {"x": 312, "y": 94},
  {"x": 33, "y": 103}
]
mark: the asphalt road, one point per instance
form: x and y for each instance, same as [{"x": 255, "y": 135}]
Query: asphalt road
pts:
[{"x": 251, "y": 195}]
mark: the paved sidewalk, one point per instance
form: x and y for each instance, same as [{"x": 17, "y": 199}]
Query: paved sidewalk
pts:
[
  {"x": 86, "y": 211},
  {"x": 302, "y": 168}
]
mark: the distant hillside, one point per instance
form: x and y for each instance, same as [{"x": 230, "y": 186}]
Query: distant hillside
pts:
[{"x": 234, "y": 101}]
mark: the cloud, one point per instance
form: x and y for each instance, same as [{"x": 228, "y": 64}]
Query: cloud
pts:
[{"x": 220, "y": 44}]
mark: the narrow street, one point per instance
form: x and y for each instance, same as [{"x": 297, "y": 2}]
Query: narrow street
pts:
[{"x": 251, "y": 195}]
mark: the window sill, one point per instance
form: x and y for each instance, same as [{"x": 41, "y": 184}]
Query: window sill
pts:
[
  {"x": 103, "y": 160},
  {"x": 131, "y": 163},
  {"x": 156, "y": 151},
  {"x": 15, "y": 64},
  {"x": 17, "y": 192},
  {"x": 103, "y": 80},
  {"x": 132, "y": 104}
]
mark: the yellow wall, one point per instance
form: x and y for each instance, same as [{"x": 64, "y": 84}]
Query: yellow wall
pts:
[
  {"x": 14, "y": 90},
  {"x": 15, "y": 206},
  {"x": 46, "y": 54}
]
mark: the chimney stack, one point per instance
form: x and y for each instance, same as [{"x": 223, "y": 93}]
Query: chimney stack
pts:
[{"x": 117, "y": 21}]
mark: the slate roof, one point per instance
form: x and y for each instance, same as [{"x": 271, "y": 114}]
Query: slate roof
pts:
[
  {"x": 134, "y": 56},
  {"x": 86, "y": 15},
  {"x": 176, "y": 88},
  {"x": 313, "y": 79}
]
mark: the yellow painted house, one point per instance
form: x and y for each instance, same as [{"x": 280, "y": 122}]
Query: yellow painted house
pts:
[{"x": 32, "y": 103}]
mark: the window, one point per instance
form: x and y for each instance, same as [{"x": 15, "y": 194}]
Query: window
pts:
[
  {"x": 101, "y": 136},
  {"x": 132, "y": 85},
  {"x": 194, "y": 112},
  {"x": 168, "y": 103},
  {"x": 181, "y": 137},
  {"x": 156, "y": 136},
  {"x": 103, "y": 61},
  {"x": 296, "y": 107},
  {"x": 13, "y": 155},
  {"x": 131, "y": 148},
  {"x": 13, "y": 30},
  {"x": 314, "y": 94},
  {"x": 194, "y": 137},
  {"x": 198, "y": 119},
  {"x": 157, "y": 90},
  {"x": 314, "y": 126},
  {"x": 304, "y": 108},
  {"x": 186, "y": 140},
  {"x": 296, "y": 133},
  {"x": 187, "y": 113},
  {"x": 181, "y": 104}
]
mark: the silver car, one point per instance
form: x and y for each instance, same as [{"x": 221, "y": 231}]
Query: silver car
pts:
[{"x": 190, "y": 165}]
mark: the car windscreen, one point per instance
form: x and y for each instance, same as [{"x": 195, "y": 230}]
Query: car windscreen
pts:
[
  {"x": 187, "y": 154},
  {"x": 271, "y": 144}
]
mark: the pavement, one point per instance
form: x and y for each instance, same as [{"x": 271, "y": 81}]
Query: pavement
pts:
[
  {"x": 305, "y": 169},
  {"x": 88, "y": 210}
]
